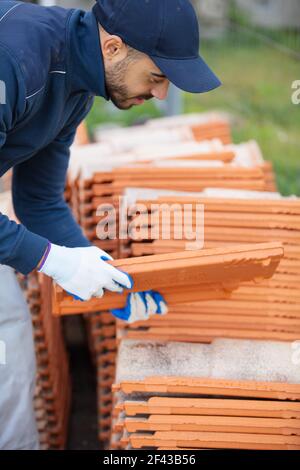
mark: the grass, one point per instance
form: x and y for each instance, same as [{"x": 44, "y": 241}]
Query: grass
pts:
[{"x": 256, "y": 91}]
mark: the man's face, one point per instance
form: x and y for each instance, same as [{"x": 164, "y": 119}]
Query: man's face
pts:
[
  {"x": 133, "y": 83},
  {"x": 131, "y": 77}
]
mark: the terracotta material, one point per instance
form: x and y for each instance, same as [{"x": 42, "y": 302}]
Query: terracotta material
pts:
[
  {"x": 53, "y": 390},
  {"x": 206, "y": 335},
  {"x": 229, "y": 219},
  {"x": 211, "y": 407},
  {"x": 212, "y": 424},
  {"x": 188, "y": 271},
  {"x": 197, "y": 320},
  {"x": 271, "y": 308},
  {"x": 215, "y": 440},
  {"x": 280, "y": 206},
  {"x": 178, "y": 417},
  {"x": 88, "y": 193},
  {"x": 101, "y": 328},
  {"x": 192, "y": 386}
]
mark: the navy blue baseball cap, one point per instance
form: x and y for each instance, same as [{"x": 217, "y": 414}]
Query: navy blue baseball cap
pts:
[{"x": 167, "y": 31}]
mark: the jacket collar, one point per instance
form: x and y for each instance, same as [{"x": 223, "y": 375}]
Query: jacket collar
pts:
[{"x": 86, "y": 67}]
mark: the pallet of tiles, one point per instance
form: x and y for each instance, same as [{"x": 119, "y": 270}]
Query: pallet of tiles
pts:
[
  {"x": 221, "y": 396},
  {"x": 103, "y": 338},
  {"x": 106, "y": 186},
  {"x": 91, "y": 188},
  {"x": 243, "y": 155},
  {"x": 269, "y": 310},
  {"x": 89, "y": 159}
]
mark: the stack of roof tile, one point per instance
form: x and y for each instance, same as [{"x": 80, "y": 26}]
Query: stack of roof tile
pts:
[
  {"x": 184, "y": 166},
  {"x": 197, "y": 126},
  {"x": 231, "y": 394},
  {"x": 94, "y": 168},
  {"x": 102, "y": 339},
  {"x": 53, "y": 387},
  {"x": 269, "y": 310},
  {"x": 90, "y": 158},
  {"x": 192, "y": 275},
  {"x": 94, "y": 181},
  {"x": 94, "y": 194}
]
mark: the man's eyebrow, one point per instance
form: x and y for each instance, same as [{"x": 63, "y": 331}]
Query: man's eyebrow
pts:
[{"x": 160, "y": 75}]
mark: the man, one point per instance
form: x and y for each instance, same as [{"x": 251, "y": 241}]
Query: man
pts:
[{"x": 52, "y": 63}]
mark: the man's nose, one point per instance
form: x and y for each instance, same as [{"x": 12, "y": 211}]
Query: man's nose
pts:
[{"x": 161, "y": 91}]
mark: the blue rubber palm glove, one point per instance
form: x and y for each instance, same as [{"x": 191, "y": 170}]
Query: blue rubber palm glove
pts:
[{"x": 141, "y": 306}]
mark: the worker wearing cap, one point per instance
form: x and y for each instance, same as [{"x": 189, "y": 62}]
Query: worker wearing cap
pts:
[{"x": 53, "y": 62}]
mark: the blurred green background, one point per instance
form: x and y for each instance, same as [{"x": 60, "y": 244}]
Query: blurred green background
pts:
[{"x": 257, "y": 69}]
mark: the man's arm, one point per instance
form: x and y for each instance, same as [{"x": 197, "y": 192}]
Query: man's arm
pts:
[
  {"x": 39, "y": 185},
  {"x": 19, "y": 248},
  {"x": 38, "y": 194}
]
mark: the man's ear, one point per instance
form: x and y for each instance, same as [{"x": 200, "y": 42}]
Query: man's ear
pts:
[{"x": 113, "y": 48}]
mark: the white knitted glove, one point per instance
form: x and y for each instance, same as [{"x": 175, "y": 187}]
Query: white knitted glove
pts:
[{"x": 83, "y": 272}]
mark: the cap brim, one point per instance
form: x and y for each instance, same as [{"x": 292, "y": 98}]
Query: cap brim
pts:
[{"x": 192, "y": 75}]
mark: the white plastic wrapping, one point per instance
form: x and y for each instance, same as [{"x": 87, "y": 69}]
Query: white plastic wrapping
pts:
[{"x": 17, "y": 368}]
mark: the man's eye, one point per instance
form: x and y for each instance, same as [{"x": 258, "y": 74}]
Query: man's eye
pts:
[{"x": 152, "y": 80}]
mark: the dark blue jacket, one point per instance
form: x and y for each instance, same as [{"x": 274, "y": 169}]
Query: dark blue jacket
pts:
[{"x": 52, "y": 66}]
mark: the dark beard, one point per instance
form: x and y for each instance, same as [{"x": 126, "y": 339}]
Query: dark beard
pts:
[
  {"x": 117, "y": 91},
  {"x": 116, "y": 88}
]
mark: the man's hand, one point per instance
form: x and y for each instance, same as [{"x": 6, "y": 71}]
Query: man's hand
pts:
[
  {"x": 141, "y": 306},
  {"x": 83, "y": 272}
]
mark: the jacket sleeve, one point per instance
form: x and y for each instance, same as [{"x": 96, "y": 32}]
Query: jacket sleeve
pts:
[
  {"x": 38, "y": 190},
  {"x": 19, "y": 248}
]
